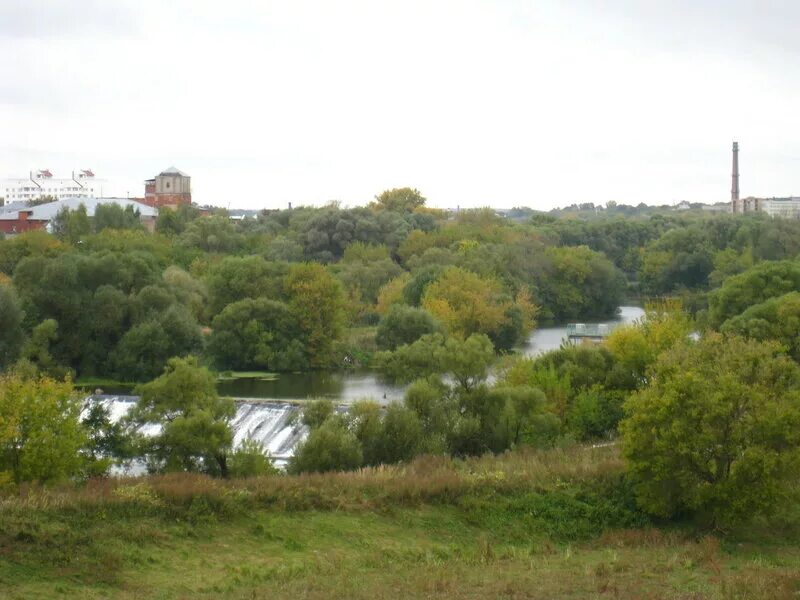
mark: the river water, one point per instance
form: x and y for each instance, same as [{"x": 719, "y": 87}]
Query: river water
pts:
[
  {"x": 348, "y": 386},
  {"x": 267, "y": 410}
]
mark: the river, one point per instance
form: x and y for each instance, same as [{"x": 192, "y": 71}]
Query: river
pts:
[
  {"x": 347, "y": 386},
  {"x": 267, "y": 410}
]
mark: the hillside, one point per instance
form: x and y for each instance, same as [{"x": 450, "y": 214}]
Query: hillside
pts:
[{"x": 550, "y": 524}]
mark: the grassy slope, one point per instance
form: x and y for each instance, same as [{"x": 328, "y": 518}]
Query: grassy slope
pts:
[{"x": 535, "y": 526}]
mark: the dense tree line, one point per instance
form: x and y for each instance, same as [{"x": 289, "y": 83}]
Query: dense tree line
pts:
[{"x": 703, "y": 392}]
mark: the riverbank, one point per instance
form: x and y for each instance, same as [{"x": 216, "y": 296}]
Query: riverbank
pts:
[
  {"x": 556, "y": 524},
  {"x": 342, "y": 386}
]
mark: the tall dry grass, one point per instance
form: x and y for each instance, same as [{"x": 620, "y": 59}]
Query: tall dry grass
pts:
[{"x": 428, "y": 479}]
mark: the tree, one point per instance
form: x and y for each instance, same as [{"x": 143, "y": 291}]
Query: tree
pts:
[
  {"x": 399, "y": 199},
  {"x": 403, "y": 325},
  {"x": 330, "y": 447},
  {"x": 636, "y": 347},
  {"x": 391, "y": 293},
  {"x": 317, "y": 303},
  {"x": 467, "y": 361},
  {"x": 364, "y": 419},
  {"x": 235, "y": 278},
  {"x": 173, "y": 222},
  {"x": 717, "y": 431},
  {"x": 211, "y": 234},
  {"x": 739, "y": 292},
  {"x": 113, "y": 216},
  {"x": 12, "y": 336},
  {"x": 71, "y": 225},
  {"x": 195, "y": 421},
  {"x": 40, "y": 433},
  {"x": 316, "y": 412},
  {"x": 466, "y": 303},
  {"x": 514, "y": 416},
  {"x": 365, "y": 268},
  {"x": 776, "y": 319},
  {"x": 250, "y": 459},
  {"x": 577, "y": 283},
  {"x": 145, "y": 348},
  {"x": 257, "y": 334},
  {"x": 400, "y": 436},
  {"x": 37, "y": 349},
  {"x": 415, "y": 288}
]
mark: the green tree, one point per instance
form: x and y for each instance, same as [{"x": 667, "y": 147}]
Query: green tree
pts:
[
  {"x": 12, "y": 335},
  {"x": 403, "y": 325},
  {"x": 364, "y": 419},
  {"x": 250, "y": 459},
  {"x": 195, "y": 421},
  {"x": 717, "y": 431},
  {"x": 172, "y": 221},
  {"x": 330, "y": 447},
  {"x": 71, "y": 225},
  {"x": 739, "y": 292},
  {"x": 37, "y": 349},
  {"x": 467, "y": 361},
  {"x": 316, "y": 412},
  {"x": 257, "y": 334},
  {"x": 317, "y": 303},
  {"x": 113, "y": 216},
  {"x": 235, "y": 278},
  {"x": 40, "y": 433},
  {"x": 574, "y": 283},
  {"x": 211, "y": 234},
  {"x": 518, "y": 416},
  {"x": 400, "y": 436},
  {"x": 364, "y": 269},
  {"x": 107, "y": 440},
  {"x": 145, "y": 348},
  {"x": 776, "y": 319}
]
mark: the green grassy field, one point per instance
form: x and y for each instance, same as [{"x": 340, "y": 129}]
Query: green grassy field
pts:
[{"x": 547, "y": 525}]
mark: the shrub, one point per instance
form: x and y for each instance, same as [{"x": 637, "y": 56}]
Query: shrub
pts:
[
  {"x": 330, "y": 447},
  {"x": 716, "y": 433}
]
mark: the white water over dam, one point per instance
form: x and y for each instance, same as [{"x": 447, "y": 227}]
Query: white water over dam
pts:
[{"x": 276, "y": 425}]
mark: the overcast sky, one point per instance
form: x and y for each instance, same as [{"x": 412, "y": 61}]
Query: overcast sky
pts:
[{"x": 474, "y": 102}]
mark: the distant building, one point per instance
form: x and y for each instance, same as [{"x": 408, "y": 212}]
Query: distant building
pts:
[
  {"x": 169, "y": 188},
  {"x": 42, "y": 184},
  {"x": 788, "y": 208},
  {"x": 19, "y": 219}
]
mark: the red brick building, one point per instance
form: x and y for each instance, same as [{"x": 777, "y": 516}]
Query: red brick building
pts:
[
  {"x": 23, "y": 221},
  {"x": 169, "y": 188}
]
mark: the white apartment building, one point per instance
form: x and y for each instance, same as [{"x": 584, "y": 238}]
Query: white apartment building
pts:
[
  {"x": 42, "y": 183},
  {"x": 787, "y": 208}
]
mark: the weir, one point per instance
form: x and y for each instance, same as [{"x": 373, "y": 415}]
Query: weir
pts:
[{"x": 274, "y": 424}]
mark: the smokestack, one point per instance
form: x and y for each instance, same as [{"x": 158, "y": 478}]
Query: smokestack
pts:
[{"x": 735, "y": 173}]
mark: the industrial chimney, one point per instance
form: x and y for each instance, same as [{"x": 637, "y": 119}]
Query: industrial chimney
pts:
[{"x": 735, "y": 176}]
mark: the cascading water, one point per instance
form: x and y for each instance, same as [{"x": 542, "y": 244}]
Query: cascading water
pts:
[{"x": 273, "y": 424}]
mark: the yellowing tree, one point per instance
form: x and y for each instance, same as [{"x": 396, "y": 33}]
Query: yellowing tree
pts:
[
  {"x": 317, "y": 302},
  {"x": 40, "y": 432},
  {"x": 392, "y": 293},
  {"x": 467, "y": 303},
  {"x": 636, "y": 347}
]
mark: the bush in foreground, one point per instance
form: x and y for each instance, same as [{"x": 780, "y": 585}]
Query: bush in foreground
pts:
[{"x": 716, "y": 433}]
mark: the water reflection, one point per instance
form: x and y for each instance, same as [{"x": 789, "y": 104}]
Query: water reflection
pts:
[
  {"x": 343, "y": 386},
  {"x": 348, "y": 386},
  {"x": 550, "y": 338}
]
